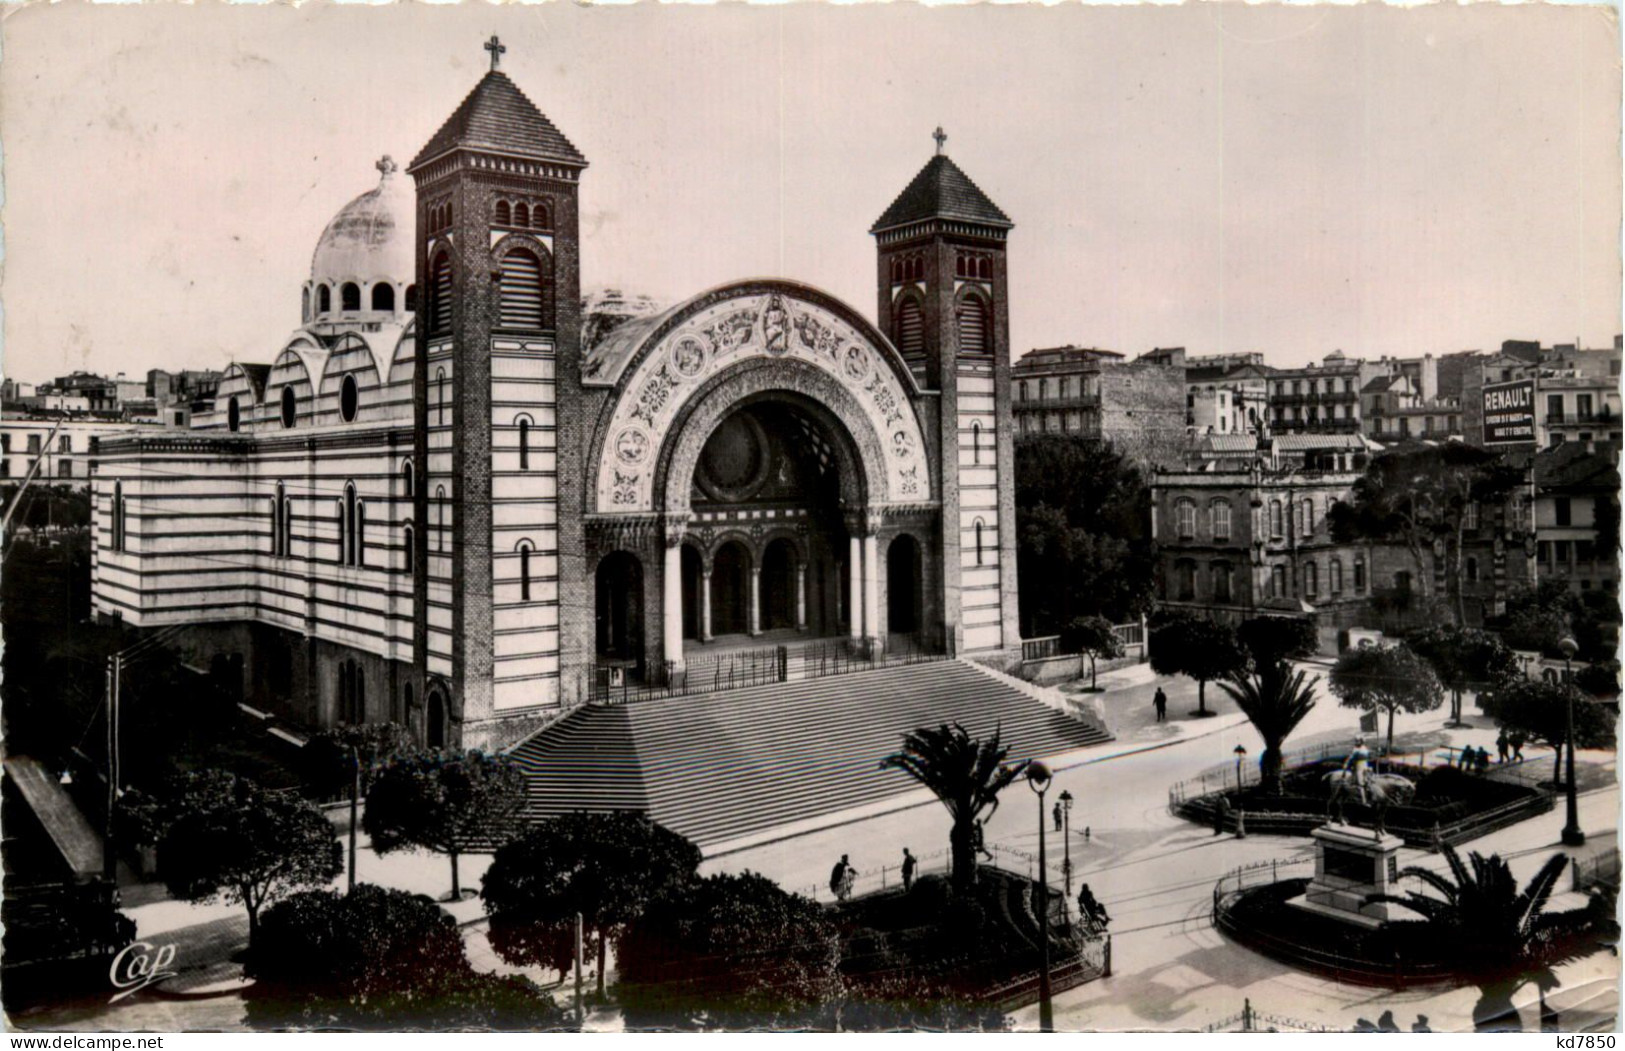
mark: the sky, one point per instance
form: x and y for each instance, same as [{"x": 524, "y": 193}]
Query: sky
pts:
[{"x": 1225, "y": 178}]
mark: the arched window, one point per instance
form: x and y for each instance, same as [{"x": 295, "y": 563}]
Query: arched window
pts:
[
  {"x": 521, "y": 214},
  {"x": 360, "y": 543},
  {"x": 521, "y": 292},
  {"x": 1309, "y": 583},
  {"x": 910, "y": 334},
  {"x": 290, "y": 407},
  {"x": 440, "y": 396},
  {"x": 1335, "y": 575},
  {"x": 1185, "y": 580},
  {"x": 1276, "y": 525},
  {"x": 1278, "y": 582},
  {"x": 411, "y": 298},
  {"x": 975, "y": 442},
  {"x": 234, "y": 415},
  {"x": 540, "y": 219},
  {"x": 350, "y": 296},
  {"x": 287, "y": 525},
  {"x": 524, "y": 571},
  {"x": 408, "y": 487},
  {"x": 1359, "y": 574},
  {"x": 524, "y": 444},
  {"x": 504, "y": 217},
  {"x": 975, "y": 326},
  {"x": 1185, "y": 518},
  {"x": 383, "y": 296},
  {"x": 279, "y": 508},
  {"x": 409, "y": 554},
  {"x": 984, "y": 269},
  {"x": 324, "y": 299},
  {"x": 1220, "y": 512},
  {"x": 304, "y": 303},
  {"x": 350, "y": 527},
  {"x": 978, "y": 541},
  {"x": 440, "y": 518},
  {"x": 440, "y": 295},
  {"x": 1221, "y": 582},
  {"x": 349, "y": 398},
  {"x": 1308, "y": 517}
]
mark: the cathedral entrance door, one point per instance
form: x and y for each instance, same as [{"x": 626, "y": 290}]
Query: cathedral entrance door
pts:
[
  {"x": 903, "y": 586},
  {"x": 730, "y": 589},
  {"x": 779, "y": 585},
  {"x": 693, "y": 583},
  {"x": 620, "y": 607}
]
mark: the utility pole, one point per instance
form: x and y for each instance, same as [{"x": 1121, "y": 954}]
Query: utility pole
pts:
[{"x": 109, "y": 850}]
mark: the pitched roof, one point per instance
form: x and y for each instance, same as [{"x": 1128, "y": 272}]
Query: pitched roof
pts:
[
  {"x": 1231, "y": 443},
  {"x": 941, "y": 191},
  {"x": 1307, "y": 442},
  {"x": 496, "y": 115}
]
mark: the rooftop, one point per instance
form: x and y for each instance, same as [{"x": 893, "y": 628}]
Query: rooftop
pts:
[
  {"x": 941, "y": 191},
  {"x": 497, "y": 116}
]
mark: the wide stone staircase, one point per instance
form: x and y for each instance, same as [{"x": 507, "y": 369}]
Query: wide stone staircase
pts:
[{"x": 719, "y": 766}]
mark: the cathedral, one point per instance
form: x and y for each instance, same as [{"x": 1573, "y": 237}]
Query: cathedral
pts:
[{"x": 437, "y": 506}]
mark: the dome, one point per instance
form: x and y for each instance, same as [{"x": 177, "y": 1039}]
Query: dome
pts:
[{"x": 370, "y": 239}]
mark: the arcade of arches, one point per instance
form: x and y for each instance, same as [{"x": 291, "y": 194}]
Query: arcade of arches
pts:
[{"x": 768, "y": 549}]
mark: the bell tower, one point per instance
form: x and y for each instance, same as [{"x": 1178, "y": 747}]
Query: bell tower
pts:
[
  {"x": 497, "y": 562},
  {"x": 943, "y": 302}
]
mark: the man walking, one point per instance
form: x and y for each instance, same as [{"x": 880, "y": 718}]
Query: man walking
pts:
[
  {"x": 1160, "y": 700},
  {"x": 1501, "y": 746},
  {"x": 840, "y": 878},
  {"x": 909, "y": 862},
  {"x": 1055, "y": 813}
]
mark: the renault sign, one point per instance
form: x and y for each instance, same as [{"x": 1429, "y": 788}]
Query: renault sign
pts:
[{"x": 1509, "y": 413}]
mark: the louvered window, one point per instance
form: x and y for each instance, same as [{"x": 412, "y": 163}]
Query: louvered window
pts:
[
  {"x": 521, "y": 290},
  {"x": 911, "y": 336},
  {"x": 973, "y": 327},
  {"x": 440, "y": 285}
]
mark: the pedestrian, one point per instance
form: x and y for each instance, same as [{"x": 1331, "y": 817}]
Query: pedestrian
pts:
[
  {"x": 1055, "y": 813},
  {"x": 909, "y": 862},
  {"x": 1221, "y": 814},
  {"x": 841, "y": 877},
  {"x": 1092, "y": 911},
  {"x": 1421, "y": 1025},
  {"x": 979, "y": 841},
  {"x": 1501, "y": 741},
  {"x": 1483, "y": 761},
  {"x": 1517, "y": 741},
  {"x": 1086, "y": 833},
  {"x": 1160, "y": 701},
  {"x": 1465, "y": 759},
  {"x": 1386, "y": 1023},
  {"x": 1241, "y": 823}
]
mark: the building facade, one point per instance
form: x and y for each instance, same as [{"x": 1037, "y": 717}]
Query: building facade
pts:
[
  {"x": 1138, "y": 406},
  {"x": 434, "y": 505}
]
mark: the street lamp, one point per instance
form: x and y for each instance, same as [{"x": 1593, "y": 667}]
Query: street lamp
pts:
[
  {"x": 1241, "y": 753},
  {"x": 1066, "y": 839},
  {"x": 1572, "y": 836},
  {"x": 1038, "y": 779}
]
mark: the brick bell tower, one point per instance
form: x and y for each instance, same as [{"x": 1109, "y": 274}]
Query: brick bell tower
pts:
[
  {"x": 500, "y": 626},
  {"x": 943, "y": 303}
]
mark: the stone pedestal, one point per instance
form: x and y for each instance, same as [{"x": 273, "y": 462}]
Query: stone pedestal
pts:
[{"x": 1351, "y": 863}]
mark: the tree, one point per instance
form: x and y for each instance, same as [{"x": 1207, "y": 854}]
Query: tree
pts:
[
  {"x": 731, "y": 952},
  {"x": 1464, "y": 659},
  {"x": 1540, "y": 709},
  {"x": 228, "y": 840},
  {"x": 1275, "y": 699},
  {"x": 1271, "y": 639},
  {"x": 1082, "y": 533},
  {"x": 379, "y": 959},
  {"x": 1419, "y": 496},
  {"x": 1535, "y": 628},
  {"x": 1095, "y": 637},
  {"x": 966, "y": 774},
  {"x": 605, "y": 867},
  {"x": 329, "y": 757},
  {"x": 445, "y": 802},
  {"x": 1600, "y": 680},
  {"x": 1198, "y": 648},
  {"x": 1493, "y": 933},
  {"x": 1391, "y": 678}
]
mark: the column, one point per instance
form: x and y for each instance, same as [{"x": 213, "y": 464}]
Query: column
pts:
[
  {"x": 854, "y": 591},
  {"x": 801, "y": 596},
  {"x": 671, "y": 613},
  {"x": 755, "y": 619},
  {"x": 871, "y": 591},
  {"x": 705, "y": 604}
]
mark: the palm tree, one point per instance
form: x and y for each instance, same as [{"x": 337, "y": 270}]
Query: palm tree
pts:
[
  {"x": 1274, "y": 699},
  {"x": 967, "y": 774},
  {"x": 1497, "y": 936}
]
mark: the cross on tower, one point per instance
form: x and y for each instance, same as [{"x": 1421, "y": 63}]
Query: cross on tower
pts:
[
  {"x": 495, "y": 46},
  {"x": 386, "y": 165},
  {"x": 941, "y": 137}
]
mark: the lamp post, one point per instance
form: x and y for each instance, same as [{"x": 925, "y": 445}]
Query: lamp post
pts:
[
  {"x": 1066, "y": 839},
  {"x": 1241, "y": 753},
  {"x": 1572, "y": 836},
  {"x": 1038, "y": 779}
]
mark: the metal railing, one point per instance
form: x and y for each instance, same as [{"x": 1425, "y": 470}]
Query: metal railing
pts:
[{"x": 1044, "y": 647}]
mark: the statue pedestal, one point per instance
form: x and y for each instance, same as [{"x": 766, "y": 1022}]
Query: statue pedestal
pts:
[{"x": 1351, "y": 863}]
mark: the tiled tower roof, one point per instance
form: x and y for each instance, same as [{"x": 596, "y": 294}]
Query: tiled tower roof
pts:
[
  {"x": 941, "y": 191},
  {"x": 497, "y": 116}
]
